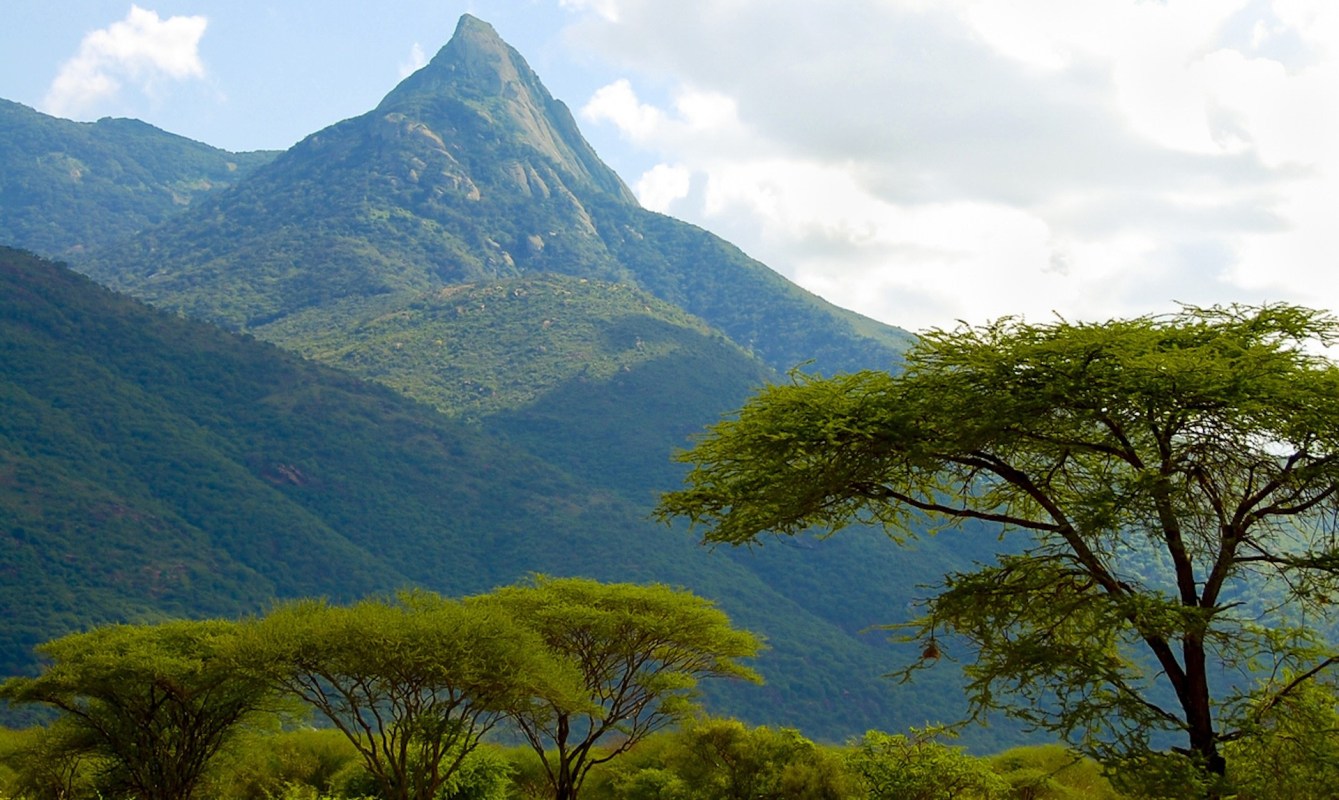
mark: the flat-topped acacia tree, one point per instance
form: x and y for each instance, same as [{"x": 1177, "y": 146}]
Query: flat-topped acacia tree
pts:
[
  {"x": 640, "y": 651},
  {"x": 413, "y": 682},
  {"x": 151, "y": 705},
  {"x": 1168, "y": 483}
]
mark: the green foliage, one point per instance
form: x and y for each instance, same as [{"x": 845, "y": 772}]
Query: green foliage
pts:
[
  {"x": 265, "y": 764},
  {"x": 1158, "y": 469},
  {"x": 152, "y": 704},
  {"x": 1292, "y": 751},
  {"x": 1164, "y": 775},
  {"x": 413, "y": 684},
  {"x": 640, "y": 651},
  {"x": 1051, "y": 772},
  {"x": 920, "y": 767},
  {"x": 485, "y": 773},
  {"x": 715, "y": 759},
  {"x": 526, "y": 771},
  {"x": 37, "y": 764}
]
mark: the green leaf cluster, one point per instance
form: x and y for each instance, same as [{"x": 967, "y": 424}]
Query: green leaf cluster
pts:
[
  {"x": 920, "y": 767},
  {"x": 640, "y": 652},
  {"x": 723, "y": 759},
  {"x": 413, "y": 684}
]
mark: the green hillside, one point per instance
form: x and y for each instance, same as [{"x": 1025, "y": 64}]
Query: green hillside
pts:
[
  {"x": 68, "y": 186},
  {"x": 153, "y": 466},
  {"x": 473, "y": 349}
]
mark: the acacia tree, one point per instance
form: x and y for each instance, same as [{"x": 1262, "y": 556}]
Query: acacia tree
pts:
[
  {"x": 640, "y": 651},
  {"x": 149, "y": 704},
  {"x": 1172, "y": 481},
  {"x": 413, "y": 683}
]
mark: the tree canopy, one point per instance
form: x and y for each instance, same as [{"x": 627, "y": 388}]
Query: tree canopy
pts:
[
  {"x": 413, "y": 683},
  {"x": 640, "y": 650},
  {"x": 151, "y": 704},
  {"x": 1165, "y": 487}
]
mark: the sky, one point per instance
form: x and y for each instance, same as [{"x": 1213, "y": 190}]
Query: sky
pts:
[{"x": 922, "y": 162}]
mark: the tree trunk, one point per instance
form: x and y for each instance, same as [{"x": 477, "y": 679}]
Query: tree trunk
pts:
[
  {"x": 1199, "y": 717},
  {"x": 566, "y": 788}
]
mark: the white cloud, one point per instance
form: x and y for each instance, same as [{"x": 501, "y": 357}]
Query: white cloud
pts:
[
  {"x": 605, "y": 8},
  {"x": 417, "y": 60},
  {"x": 923, "y": 161},
  {"x": 696, "y": 116},
  {"x": 662, "y": 185},
  {"x": 618, "y": 103},
  {"x": 142, "y": 50}
]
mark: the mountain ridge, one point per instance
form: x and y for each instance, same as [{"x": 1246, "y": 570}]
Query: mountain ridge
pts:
[
  {"x": 468, "y": 170},
  {"x": 115, "y": 177}
]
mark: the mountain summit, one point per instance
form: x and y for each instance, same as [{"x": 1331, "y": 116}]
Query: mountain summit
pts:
[{"x": 479, "y": 80}]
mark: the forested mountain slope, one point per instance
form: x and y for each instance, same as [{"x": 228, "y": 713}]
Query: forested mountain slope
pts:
[{"x": 152, "y": 466}]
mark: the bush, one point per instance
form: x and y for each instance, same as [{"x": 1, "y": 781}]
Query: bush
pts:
[
  {"x": 921, "y": 767},
  {"x": 1051, "y": 772},
  {"x": 36, "y": 765},
  {"x": 269, "y": 765},
  {"x": 722, "y": 759}
]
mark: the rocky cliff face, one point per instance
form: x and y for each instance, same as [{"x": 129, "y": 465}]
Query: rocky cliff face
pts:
[{"x": 482, "y": 73}]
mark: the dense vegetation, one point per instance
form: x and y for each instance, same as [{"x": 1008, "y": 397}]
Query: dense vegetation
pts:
[
  {"x": 706, "y": 759},
  {"x": 476, "y": 349},
  {"x": 69, "y": 186},
  {"x": 592, "y": 674}
]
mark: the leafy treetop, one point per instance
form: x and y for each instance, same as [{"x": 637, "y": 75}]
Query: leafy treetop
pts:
[
  {"x": 640, "y": 650},
  {"x": 413, "y": 683},
  {"x": 152, "y": 704}
]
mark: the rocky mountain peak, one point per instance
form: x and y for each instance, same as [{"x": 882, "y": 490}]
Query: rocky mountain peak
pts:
[{"x": 478, "y": 74}]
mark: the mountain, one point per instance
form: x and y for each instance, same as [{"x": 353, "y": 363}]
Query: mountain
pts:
[
  {"x": 468, "y": 171},
  {"x": 543, "y": 345},
  {"x": 67, "y": 186}
]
